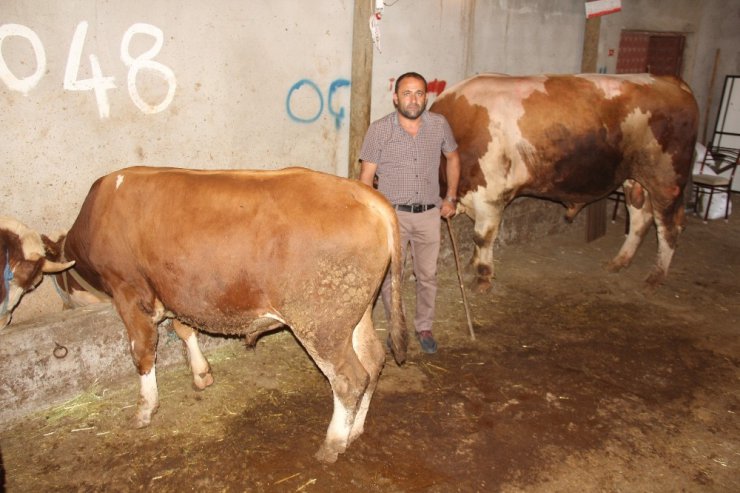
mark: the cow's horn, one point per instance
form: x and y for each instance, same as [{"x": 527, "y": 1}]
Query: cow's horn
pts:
[{"x": 52, "y": 267}]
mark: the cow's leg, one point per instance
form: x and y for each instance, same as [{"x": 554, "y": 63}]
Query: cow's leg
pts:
[
  {"x": 202, "y": 377},
  {"x": 641, "y": 218},
  {"x": 142, "y": 334},
  {"x": 348, "y": 380},
  {"x": 487, "y": 219},
  {"x": 372, "y": 356},
  {"x": 669, "y": 225}
]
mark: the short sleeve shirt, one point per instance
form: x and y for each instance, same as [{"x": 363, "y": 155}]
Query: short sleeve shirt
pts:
[{"x": 408, "y": 167}]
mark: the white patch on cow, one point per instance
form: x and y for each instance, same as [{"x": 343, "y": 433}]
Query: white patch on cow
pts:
[
  {"x": 338, "y": 430},
  {"x": 198, "y": 362},
  {"x": 640, "y": 140},
  {"x": 158, "y": 313},
  {"x": 612, "y": 85},
  {"x": 364, "y": 353},
  {"x": 510, "y": 90},
  {"x": 665, "y": 251},
  {"x": 640, "y": 143},
  {"x": 507, "y": 146},
  {"x": 149, "y": 394},
  {"x": 119, "y": 181},
  {"x": 339, "y": 427},
  {"x": 507, "y": 143}
]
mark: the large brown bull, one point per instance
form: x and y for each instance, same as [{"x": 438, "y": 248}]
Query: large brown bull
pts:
[
  {"x": 574, "y": 139},
  {"x": 244, "y": 252}
]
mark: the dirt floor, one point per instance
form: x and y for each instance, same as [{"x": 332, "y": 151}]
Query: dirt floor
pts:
[{"x": 579, "y": 380}]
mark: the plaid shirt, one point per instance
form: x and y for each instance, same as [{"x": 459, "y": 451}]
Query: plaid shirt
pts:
[{"x": 408, "y": 167}]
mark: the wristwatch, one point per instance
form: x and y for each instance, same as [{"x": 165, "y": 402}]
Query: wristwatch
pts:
[{"x": 452, "y": 200}]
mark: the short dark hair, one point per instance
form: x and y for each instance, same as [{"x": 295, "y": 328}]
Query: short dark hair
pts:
[{"x": 411, "y": 74}]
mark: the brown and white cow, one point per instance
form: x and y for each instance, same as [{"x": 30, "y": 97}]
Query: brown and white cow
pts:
[
  {"x": 573, "y": 139},
  {"x": 242, "y": 253},
  {"x": 23, "y": 264}
]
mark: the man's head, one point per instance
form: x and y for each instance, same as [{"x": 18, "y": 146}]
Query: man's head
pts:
[{"x": 410, "y": 97}]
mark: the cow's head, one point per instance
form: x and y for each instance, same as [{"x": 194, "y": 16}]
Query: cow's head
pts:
[{"x": 23, "y": 264}]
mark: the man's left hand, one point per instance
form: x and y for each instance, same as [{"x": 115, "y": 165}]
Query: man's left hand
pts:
[{"x": 448, "y": 209}]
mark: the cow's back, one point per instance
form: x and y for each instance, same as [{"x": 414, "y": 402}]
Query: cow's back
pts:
[
  {"x": 572, "y": 138},
  {"x": 221, "y": 248}
]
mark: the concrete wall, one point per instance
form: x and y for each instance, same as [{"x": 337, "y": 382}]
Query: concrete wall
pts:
[
  {"x": 522, "y": 37},
  {"x": 447, "y": 41}
]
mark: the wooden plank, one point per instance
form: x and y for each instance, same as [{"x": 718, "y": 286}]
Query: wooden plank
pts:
[
  {"x": 590, "y": 55},
  {"x": 596, "y": 212},
  {"x": 362, "y": 78}
]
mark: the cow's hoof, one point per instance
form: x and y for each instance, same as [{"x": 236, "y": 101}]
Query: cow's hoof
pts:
[
  {"x": 327, "y": 455},
  {"x": 143, "y": 416},
  {"x": 481, "y": 285},
  {"x": 202, "y": 380},
  {"x": 614, "y": 266},
  {"x": 655, "y": 279},
  {"x": 142, "y": 419},
  {"x": 355, "y": 434},
  {"x": 330, "y": 450}
]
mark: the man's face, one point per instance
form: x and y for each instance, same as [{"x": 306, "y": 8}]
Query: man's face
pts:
[{"x": 411, "y": 98}]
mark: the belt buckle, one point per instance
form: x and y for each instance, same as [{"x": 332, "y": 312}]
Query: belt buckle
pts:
[{"x": 416, "y": 208}]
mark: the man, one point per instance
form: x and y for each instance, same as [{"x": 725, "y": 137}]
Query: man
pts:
[{"x": 403, "y": 149}]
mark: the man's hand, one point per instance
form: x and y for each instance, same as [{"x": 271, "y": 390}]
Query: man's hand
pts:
[{"x": 448, "y": 209}]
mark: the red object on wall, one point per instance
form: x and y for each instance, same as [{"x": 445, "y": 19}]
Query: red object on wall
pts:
[{"x": 436, "y": 86}]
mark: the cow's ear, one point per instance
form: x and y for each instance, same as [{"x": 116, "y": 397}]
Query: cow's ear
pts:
[
  {"x": 53, "y": 248},
  {"x": 28, "y": 273}
]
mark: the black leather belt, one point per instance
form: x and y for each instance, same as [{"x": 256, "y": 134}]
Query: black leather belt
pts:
[{"x": 413, "y": 207}]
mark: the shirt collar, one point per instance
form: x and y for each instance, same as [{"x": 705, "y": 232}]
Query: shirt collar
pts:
[{"x": 424, "y": 117}]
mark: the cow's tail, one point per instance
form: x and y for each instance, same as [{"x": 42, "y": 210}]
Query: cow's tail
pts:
[{"x": 398, "y": 332}]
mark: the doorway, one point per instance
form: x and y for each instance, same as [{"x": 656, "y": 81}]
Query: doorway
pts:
[{"x": 657, "y": 53}]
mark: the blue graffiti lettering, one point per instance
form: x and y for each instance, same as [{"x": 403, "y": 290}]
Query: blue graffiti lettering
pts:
[
  {"x": 297, "y": 86},
  {"x": 338, "y": 115}
]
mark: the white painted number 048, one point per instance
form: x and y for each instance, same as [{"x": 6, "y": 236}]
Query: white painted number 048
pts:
[{"x": 97, "y": 83}]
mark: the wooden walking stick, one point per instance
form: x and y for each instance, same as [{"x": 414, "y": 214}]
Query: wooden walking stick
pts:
[{"x": 460, "y": 278}]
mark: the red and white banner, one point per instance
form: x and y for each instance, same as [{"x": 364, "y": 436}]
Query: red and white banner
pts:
[{"x": 602, "y": 7}]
